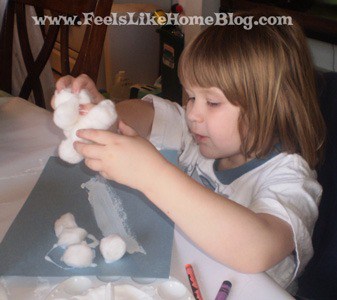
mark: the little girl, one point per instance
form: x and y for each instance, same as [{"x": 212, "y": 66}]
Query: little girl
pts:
[{"x": 248, "y": 142}]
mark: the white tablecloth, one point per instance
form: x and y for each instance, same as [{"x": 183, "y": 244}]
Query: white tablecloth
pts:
[{"x": 28, "y": 138}]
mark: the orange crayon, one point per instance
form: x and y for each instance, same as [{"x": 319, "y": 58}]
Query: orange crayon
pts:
[{"x": 193, "y": 282}]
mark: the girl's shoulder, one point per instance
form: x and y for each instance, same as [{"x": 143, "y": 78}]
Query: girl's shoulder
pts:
[
  {"x": 289, "y": 163},
  {"x": 282, "y": 166},
  {"x": 283, "y": 169}
]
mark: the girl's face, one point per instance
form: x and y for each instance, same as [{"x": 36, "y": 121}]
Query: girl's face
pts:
[{"x": 213, "y": 122}]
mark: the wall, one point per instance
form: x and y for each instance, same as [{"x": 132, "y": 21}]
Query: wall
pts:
[
  {"x": 324, "y": 54},
  {"x": 116, "y": 56},
  {"x": 210, "y": 7},
  {"x": 198, "y": 8},
  {"x": 133, "y": 49}
]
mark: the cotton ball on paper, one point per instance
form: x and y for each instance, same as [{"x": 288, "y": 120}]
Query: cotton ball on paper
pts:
[
  {"x": 70, "y": 236},
  {"x": 112, "y": 248},
  {"x": 78, "y": 256},
  {"x": 65, "y": 221},
  {"x": 67, "y": 117}
]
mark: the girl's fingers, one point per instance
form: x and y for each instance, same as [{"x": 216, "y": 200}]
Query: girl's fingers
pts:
[
  {"x": 80, "y": 83},
  {"x": 94, "y": 164},
  {"x": 64, "y": 82},
  {"x": 92, "y": 151},
  {"x": 52, "y": 102},
  {"x": 101, "y": 137}
]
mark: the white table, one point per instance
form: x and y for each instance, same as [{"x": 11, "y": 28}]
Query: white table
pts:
[{"x": 28, "y": 138}]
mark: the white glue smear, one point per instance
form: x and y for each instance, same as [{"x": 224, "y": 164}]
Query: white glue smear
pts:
[{"x": 109, "y": 212}]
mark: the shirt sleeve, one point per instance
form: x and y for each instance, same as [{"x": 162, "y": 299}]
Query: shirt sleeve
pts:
[
  {"x": 168, "y": 128},
  {"x": 292, "y": 193}
]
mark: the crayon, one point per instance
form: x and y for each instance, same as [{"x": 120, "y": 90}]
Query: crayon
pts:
[
  {"x": 224, "y": 290},
  {"x": 193, "y": 282}
]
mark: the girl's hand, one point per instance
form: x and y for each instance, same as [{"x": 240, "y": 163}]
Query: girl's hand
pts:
[
  {"x": 127, "y": 158},
  {"x": 79, "y": 83}
]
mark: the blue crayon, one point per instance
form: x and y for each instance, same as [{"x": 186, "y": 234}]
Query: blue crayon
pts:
[{"x": 224, "y": 290}]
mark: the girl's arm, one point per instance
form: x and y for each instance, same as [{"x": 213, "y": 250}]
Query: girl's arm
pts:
[
  {"x": 137, "y": 114},
  {"x": 231, "y": 233}
]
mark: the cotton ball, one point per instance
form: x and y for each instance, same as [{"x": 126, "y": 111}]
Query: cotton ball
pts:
[
  {"x": 66, "y": 109},
  {"x": 65, "y": 221},
  {"x": 68, "y": 153},
  {"x": 66, "y": 112},
  {"x": 78, "y": 256},
  {"x": 70, "y": 236},
  {"x": 84, "y": 97},
  {"x": 101, "y": 116},
  {"x": 62, "y": 97},
  {"x": 67, "y": 116},
  {"x": 112, "y": 248}
]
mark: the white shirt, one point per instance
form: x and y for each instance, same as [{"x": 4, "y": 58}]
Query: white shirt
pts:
[{"x": 283, "y": 186}]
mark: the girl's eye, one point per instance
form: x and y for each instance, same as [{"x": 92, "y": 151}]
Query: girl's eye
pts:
[
  {"x": 191, "y": 98},
  {"x": 213, "y": 104}
]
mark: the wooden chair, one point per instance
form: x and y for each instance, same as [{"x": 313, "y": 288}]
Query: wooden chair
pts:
[{"x": 89, "y": 55}]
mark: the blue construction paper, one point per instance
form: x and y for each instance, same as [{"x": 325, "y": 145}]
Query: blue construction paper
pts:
[{"x": 59, "y": 191}]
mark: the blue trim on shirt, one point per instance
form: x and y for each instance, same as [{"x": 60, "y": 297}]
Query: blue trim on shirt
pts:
[{"x": 229, "y": 175}]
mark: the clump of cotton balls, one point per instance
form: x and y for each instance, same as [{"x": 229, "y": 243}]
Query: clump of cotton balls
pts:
[
  {"x": 67, "y": 117},
  {"x": 78, "y": 253},
  {"x": 112, "y": 248},
  {"x": 68, "y": 232}
]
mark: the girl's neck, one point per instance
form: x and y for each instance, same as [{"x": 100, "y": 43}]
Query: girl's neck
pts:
[{"x": 232, "y": 162}]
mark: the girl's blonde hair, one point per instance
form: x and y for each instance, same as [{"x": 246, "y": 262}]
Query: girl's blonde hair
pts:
[{"x": 268, "y": 72}]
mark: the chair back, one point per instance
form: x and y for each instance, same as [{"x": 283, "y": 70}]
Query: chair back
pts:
[{"x": 89, "y": 56}]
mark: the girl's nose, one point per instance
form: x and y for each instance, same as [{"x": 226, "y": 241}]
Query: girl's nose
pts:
[{"x": 194, "y": 112}]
